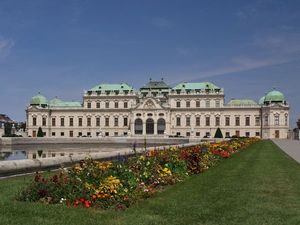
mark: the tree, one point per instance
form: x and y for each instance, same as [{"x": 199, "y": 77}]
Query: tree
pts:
[
  {"x": 7, "y": 129},
  {"x": 298, "y": 123},
  {"x": 218, "y": 133},
  {"x": 40, "y": 132}
]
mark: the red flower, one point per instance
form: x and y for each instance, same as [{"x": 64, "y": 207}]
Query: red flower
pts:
[
  {"x": 37, "y": 177},
  {"x": 87, "y": 204},
  {"x": 42, "y": 193}
]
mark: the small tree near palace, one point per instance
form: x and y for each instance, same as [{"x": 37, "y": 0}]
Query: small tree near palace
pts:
[
  {"x": 298, "y": 123},
  {"x": 218, "y": 133},
  {"x": 40, "y": 132}
]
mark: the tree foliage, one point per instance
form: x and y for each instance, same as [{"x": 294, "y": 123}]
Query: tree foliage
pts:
[
  {"x": 7, "y": 129},
  {"x": 218, "y": 133},
  {"x": 40, "y": 132}
]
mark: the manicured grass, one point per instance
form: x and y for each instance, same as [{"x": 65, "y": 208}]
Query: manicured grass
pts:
[{"x": 260, "y": 185}]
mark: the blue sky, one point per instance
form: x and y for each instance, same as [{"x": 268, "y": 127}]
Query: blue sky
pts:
[{"x": 61, "y": 47}]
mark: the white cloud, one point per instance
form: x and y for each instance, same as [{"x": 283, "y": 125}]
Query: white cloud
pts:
[
  {"x": 234, "y": 65},
  {"x": 5, "y": 47},
  {"x": 281, "y": 42}
]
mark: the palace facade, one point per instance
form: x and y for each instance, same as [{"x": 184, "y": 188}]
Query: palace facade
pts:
[{"x": 156, "y": 109}]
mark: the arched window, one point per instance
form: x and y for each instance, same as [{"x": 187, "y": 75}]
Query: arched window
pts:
[
  {"x": 138, "y": 126},
  {"x": 161, "y": 126},
  {"x": 149, "y": 126}
]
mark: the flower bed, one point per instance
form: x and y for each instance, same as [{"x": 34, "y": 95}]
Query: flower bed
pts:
[{"x": 119, "y": 184}]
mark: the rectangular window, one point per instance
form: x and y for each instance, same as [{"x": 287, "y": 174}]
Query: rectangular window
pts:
[
  {"x": 247, "y": 134},
  {"x": 178, "y": 121},
  {"x": 115, "y": 133},
  {"x": 106, "y": 134},
  {"x": 34, "y": 121},
  {"x": 188, "y": 104},
  {"x": 107, "y": 105},
  {"x": 116, "y": 121},
  {"x": 125, "y": 122},
  {"x": 197, "y": 104},
  {"x": 227, "y": 134},
  {"x": 197, "y": 134},
  {"x": 276, "y": 120},
  {"x": 62, "y": 122},
  {"x": 207, "y": 121},
  {"x": 71, "y": 133},
  {"x": 257, "y": 134},
  {"x": 207, "y": 103},
  {"x": 53, "y": 122},
  {"x": 79, "y": 134},
  {"x": 44, "y": 121},
  {"x": 62, "y": 134},
  {"x": 88, "y": 121},
  {"x": 89, "y": 105},
  {"x": 88, "y": 134},
  {"x": 188, "y": 134},
  {"x": 247, "y": 121},
  {"x": 198, "y": 121},
  {"x": 286, "y": 120},
  {"x": 80, "y": 122},
  {"x": 107, "y": 121},
  {"x": 98, "y": 121},
  {"x": 116, "y": 105},
  {"x": 71, "y": 122},
  {"x": 217, "y": 121},
  {"x": 98, "y": 105},
  {"x": 188, "y": 121},
  {"x": 237, "y": 121},
  {"x": 257, "y": 121},
  {"x": 266, "y": 120},
  {"x": 53, "y": 134},
  {"x": 178, "y": 104},
  {"x": 125, "y": 105},
  {"x": 227, "y": 121},
  {"x": 217, "y": 103}
]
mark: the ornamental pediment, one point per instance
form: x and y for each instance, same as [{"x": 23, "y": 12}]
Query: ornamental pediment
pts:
[{"x": 149, "y": 103}]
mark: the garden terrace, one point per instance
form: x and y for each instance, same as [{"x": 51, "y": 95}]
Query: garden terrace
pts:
[{"x": 257, "y": 186}]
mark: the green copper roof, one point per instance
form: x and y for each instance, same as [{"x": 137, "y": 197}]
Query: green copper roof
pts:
[
  {"x": 56, "y": 102},
  {"x": 196, "y": 86},
  {"x": 274, "y": 96},
  {"x": 39, "y": 100},
  {"x": 112, "y": 87},
  {"x": 262, "y": 100},
  {"x": 238, "y": 102}
]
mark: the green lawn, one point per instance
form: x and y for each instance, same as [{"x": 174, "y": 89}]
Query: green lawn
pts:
[{"x": 260, "y": 185}]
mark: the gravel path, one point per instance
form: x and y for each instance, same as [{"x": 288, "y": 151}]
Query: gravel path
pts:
[{"x": 291, "y": 147}]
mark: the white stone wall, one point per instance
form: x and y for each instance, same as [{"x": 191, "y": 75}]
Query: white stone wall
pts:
[{"x": 152, "y": 108}]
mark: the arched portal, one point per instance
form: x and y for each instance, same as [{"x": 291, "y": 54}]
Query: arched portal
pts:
[
  {"x": 161, "y": 126},
  {"x": 138, "y": 126},
  {"x": 149, "y": 126}
]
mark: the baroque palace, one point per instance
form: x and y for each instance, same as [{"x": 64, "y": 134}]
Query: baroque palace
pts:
[{"x": 156, "y": 109}]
